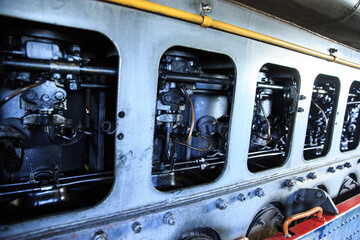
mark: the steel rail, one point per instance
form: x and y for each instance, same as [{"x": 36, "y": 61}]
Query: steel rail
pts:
[{"x": 208, "y": 22}]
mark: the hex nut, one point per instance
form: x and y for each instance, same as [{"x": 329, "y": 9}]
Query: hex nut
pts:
[
  {"x": 259, "y": 192},
  {"x": 221, "y": 204},
  {"x": 241, "y": 197},
  {"x": 99, "y": 235}
]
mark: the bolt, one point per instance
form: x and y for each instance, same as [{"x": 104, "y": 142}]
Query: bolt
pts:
[
  {"x": 29, "y": 95},
  {"x": 59, "y": 96},
  {"x": 120, "y": 136},
  {"x": 169, "y": 218},
  {"x": 259, "y": 192},
  {"x": 312, "y": 175},
  {"x": 99, "y": 235},
  {"x": 347, "y": 165},
  {"x": 300, "y": 109},
  {"x": 221, "y": 204},
  {"x": 301, "y": 179},
  {"x": 121, "y": 114},
  {"x": 331, "y": 169},
  {"x": 73, "y": 86},
  {"x": 137, "y": 227},
  {"x": 260, "y": 222},
  {"x": 56, "y": 76},
  {"x": 299, "y": 198},
  {"x": 206, "y": 8},
  {"x": 241, "y": 197},
  {"x": 45, "y": 97},
  {"x": 319, "y": 194},
  {"x": 340, "y": 167},
  {"x": 289, "y": 183},
  {"x": 332, "y": 51},
  {"x": 302, "y": 97}
]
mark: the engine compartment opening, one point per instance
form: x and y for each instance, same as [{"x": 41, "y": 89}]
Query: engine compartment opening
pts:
[
  {"x": 321, "y": 117},
  {"x": 57, "y": 90},
  {"x": 193, "y": 111},
  {"x": 275, "y": 107}
]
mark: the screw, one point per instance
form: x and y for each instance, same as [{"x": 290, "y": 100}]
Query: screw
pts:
[
  {"x": 59, "y": 96},
  {"x": 121, "y": 114},
  {"x": 120, "y": 136},
  {"x": 319, "y": 194},
  {"x": 241, "y": 197},
  {"x": 99, "y": 235},
  {"x": 221, "y": 204},
  {"x": 331, "y": 169},
  {"x": 259, "y": 192},
  {"x": 169, "y": 218},
  {"x": 312, "y": 175},
  {"x": 300, "y": 109},
  {"x": 347, "y": 165},
  {"x": 301, "y": 179},
  {"x": 137, "y": 227}
]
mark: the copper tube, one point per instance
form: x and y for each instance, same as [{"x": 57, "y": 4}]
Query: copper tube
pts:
[
  {"x": 206, "y": 21},
  {"x": 287, "y": 222}
]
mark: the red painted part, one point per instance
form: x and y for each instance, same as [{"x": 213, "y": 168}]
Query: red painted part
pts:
[{"x": 311, "y": 224}]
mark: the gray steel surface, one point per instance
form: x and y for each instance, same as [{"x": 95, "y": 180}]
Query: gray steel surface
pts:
[{"x": 141, "y": 39}]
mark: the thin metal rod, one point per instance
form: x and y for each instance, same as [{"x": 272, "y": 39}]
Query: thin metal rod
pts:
[
  {"x": 57, "y": 67},
  {"x": 171, "y": 77}
]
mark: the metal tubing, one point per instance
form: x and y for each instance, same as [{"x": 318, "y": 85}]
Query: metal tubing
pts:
[
  {"x": 206, "y": 21},
  {"x": 57, "y": 67},
  {"x": 274, "y": 87},
  {"x": 317, "y": 210},
  {"x": 171, "y": 77}
]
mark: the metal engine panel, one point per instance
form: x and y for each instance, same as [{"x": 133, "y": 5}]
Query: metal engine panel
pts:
[{"x": 94, "y": 140}]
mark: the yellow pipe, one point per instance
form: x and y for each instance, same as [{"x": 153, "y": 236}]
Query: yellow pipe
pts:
[{"x": 206, "y": 21}]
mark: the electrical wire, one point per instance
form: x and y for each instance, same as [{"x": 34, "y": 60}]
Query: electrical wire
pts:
[
  {"x": 21, "y": 90},
  {"x": 323, "y": 113},
  {"x": 192, "y": 118},
  {"x": 269, "y": 138},
  {"x": 197, "y": 149}
]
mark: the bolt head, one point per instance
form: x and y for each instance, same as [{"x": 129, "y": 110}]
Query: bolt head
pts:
[
  {"x": 169, "y": 218},
  {"x": 241, "y": 197},
  {"x": 312, "y": 175},
  {"x": 289, "y": 183},
  {"x": 259, "y": 192},
  {"x": 99, "y": 235},
  {"x": 45, "y": 97},
  {"x": 137, "y": 227},
  {"x": 319, "y": 194},
  {"x": 59, "y": 96},
  {"x": 221, "y": 204},
  {"x": 301, "y": 179},
  {"x": 347, "y": 165}
]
